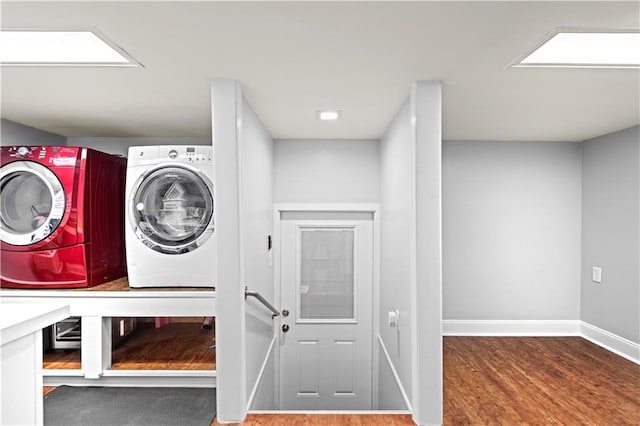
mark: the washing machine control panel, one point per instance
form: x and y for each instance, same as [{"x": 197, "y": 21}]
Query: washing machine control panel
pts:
[
  {"x": 26, "y": 151},
  {"x": 195, "y": 154},
  {"x": 44, "y": 154}
]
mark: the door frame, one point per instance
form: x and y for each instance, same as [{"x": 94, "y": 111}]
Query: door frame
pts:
[{"x": 374, "y": 210}]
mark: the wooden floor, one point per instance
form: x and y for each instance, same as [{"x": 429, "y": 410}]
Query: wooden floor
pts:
[
  {"x": 327, "y": 419},
  {"x": 517, "y": 381},
  {"x": 176, "y": 346},
  {"x": 537, "y": 381},
  {"x": 487, "y": 381}
]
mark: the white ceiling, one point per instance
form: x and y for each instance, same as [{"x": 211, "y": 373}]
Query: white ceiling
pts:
[{"x": 293, "y": 58}]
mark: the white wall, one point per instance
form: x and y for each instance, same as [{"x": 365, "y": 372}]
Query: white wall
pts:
[
  {"x": 411, "y": 252},
  {"x": 611, "y": 232},
  {"x": 511, "y": 226},
  {"x": 256, "y": 153},
  {"x": 327, "y": 171},
  {"x": 244, "y": 183},
  {"x": 231, "y": 355},
  {"x": 395, "y": 250},
  {"x": 12, "y": 133},
  {"x": 120, "y": 146},
  {"x": 389, "y": 395}
]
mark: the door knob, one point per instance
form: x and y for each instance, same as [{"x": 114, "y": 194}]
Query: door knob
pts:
[{"x": 285, "y": 328}]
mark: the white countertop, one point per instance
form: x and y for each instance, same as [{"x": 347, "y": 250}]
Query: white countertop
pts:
[
  {"x": 155, "y": 293},
  {"x": 21, "y": 319}
]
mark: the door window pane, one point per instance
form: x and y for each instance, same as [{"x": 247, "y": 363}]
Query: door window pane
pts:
[{"x": 326, "y": 279}]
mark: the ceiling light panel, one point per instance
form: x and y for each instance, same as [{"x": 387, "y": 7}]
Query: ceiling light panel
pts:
[
  {"x": 59, "y": 48},
  {"x": 328, "y": 115},
  {"x": 577, "y": 49}
]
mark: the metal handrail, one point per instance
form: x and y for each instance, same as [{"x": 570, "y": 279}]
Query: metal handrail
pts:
[{"x": 262, "y": 300}]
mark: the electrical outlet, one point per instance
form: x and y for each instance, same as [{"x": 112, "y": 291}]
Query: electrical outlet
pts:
[
  {"x": 596, "y": 274},
  {"x": 392, "y": 318}
]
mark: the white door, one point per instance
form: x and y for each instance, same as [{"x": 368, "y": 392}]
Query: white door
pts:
[{"x": 326, "y": 339}]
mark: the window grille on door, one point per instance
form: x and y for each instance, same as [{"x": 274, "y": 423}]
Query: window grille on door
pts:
[{"x": 327, "y": 284}]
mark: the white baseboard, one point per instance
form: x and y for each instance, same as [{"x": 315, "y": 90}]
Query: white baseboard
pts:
[
  {"x": 260, "y": 377},
  {"x": 511, "y": 327},
  {"x": 396, "y": 377},
  {"x": 611, "y": 342}
]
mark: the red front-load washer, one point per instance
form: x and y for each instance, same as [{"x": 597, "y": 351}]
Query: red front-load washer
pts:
[{"x": 61, "y": 217}]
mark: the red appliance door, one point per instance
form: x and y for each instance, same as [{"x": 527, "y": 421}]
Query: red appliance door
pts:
[
  {"x": 32, "y": 203},
  {"x": 172, "y": 209}
]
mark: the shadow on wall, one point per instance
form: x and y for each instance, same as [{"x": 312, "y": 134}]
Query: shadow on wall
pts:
[{"x": 12, "y": 134}]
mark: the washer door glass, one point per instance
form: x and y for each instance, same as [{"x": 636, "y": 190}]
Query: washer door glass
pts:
[
  {"x": 172, "y": 209},
  {"x": 32, "y": 203}
]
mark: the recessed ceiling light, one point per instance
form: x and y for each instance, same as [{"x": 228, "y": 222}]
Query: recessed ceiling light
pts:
[
  {"x": 66, "y": 48},
  {"x": 329, "y": 115},
  {"x": 585, "y": 49}
]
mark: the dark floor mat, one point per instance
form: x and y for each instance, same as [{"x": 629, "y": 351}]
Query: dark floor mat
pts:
[{"x": 119, "y": 406}]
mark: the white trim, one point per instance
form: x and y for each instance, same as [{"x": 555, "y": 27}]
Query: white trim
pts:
[
  {"x": 405, "y": 397},
  {"x": 510, "y": 327},
  {"x": 134, "y": 378},
  {"x": 375, "y": 368},
  {"x": 258, "y": 382},
  {"x": 275, "y": 247},
  {"x": 159, "y": 373},
  {"x": 611, "y": 342},
  {"x": 122, "y": 303},
  {"x": 605, "y": 339},
  {"x": 326, "y": 207}
]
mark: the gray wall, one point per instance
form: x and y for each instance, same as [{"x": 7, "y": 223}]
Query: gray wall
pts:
[
  {"x": 120, "y": 146},
  {"x": 511, "y": 230},
  {"x": 611, "y": 232},
  {"x": 12, "y": 133},
  {"x": 327, "y": 171},
  {"x": 256, "y": 222},
  {"x": 395, "y": 254}
]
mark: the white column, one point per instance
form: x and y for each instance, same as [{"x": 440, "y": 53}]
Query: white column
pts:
[
  {"x": 21, "y": 377},
  {"x": 21, "y": 325},
  {"x": 230, "y": 320},
  {"x": 95, "y": 346},
  {"x": 427, "y": 341}
]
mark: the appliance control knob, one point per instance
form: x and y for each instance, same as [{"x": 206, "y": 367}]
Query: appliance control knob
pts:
[
  {"x": 23, "y": 150},
  {"x": 173, "y": 154}
]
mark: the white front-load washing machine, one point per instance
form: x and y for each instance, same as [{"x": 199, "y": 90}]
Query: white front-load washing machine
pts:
[{"x": 170, "y": 233}]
